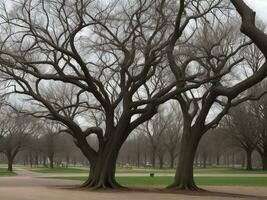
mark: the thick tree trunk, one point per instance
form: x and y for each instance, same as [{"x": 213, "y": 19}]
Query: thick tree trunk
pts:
[
  {"x": 184, "y": 173},
  {"x": 102, "y": 171},
  {"x": 10, "y": 164},
  {"x": 249, "y": 160}
]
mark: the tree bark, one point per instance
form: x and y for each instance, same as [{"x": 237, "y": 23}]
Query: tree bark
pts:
[
  {"x": 172, "y": 158},
  {"x": 161, "y": 161},
  {"x": 153, "y": 159},
  {"x": 217, "y": 160},
  {"x": 184, "y": 173},
  {"x": 102, "y": 169},
  {"x": 10, "y": 164},
  {"x": 51, "y": 161},
  {"x": 36, "y": 160},
  {"x": 264, "y": 161},
  {"x": 249, "y": 160}
]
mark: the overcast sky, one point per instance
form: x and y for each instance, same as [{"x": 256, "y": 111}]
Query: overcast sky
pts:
[{"x": 260, "y": 6}]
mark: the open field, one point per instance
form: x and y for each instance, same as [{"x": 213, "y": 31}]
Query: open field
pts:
[
  {"x": 148, "y": 170},
  {"x": 4, "y": 172},
  {"x": 166, "y": 180},
  {"x": 59, "y": 170}
]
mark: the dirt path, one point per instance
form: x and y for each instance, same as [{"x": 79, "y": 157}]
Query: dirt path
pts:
[{"x": 29, "y": 186}]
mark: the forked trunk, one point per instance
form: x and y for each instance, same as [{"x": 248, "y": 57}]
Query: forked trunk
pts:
[
  {"x": 102, "y": 171},
  {"x": 184, "y": 173}
]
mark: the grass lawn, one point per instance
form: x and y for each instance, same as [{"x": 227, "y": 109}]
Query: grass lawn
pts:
[
  {"x": 227, "y": 171},
  {"x": 4, "y": 172},
  {"x": 164, "y": 181},
  {"x": 213, "y": 170},
  {"x": 59, "y": 170},
  {"x": 147, "y": 170}
]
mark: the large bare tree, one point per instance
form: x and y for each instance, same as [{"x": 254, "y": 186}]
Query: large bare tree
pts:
[{"x": 75, "y": 61}]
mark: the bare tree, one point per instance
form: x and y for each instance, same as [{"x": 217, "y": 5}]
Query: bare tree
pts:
[
  {"x": 108, "y": 57},
  {"x": 239, "y": 124},
  {"x": 217, "y": 55},
  {"x": 259, "y": 111},
  {"x": 155, "y": 130},
  {"x": 173, "y": 133},
  {"x": 15, "y": 130}
]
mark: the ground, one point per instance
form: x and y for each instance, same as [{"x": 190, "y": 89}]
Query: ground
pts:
[{"x": 29, "y": 185}]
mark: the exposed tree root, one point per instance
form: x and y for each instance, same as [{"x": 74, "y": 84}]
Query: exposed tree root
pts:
[{"x": 94, "y": 184}]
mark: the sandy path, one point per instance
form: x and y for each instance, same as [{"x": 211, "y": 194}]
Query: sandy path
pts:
[{"x": 27, "y": 186}]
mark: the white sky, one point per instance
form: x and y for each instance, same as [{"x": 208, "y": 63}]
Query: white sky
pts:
[{"x": 260, "y": 6}]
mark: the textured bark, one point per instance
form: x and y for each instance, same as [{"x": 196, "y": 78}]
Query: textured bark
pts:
[
  {"x": 103, "y": 167},
  {"x": 184, "y": 173}
]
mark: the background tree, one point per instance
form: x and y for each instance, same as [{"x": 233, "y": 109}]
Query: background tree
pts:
[
  {"x": 15, "y": 130},
  {"x": 239, "y": 124}
]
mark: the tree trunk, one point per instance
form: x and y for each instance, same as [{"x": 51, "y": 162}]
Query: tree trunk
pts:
[
  {"x": 138, "y": 159},
  {"x": 44, "y": 161},
  {"x": 161, "y": 161},
  {"x": 153, "y": 159},
  {"x": 204, "y": 161},
  {"x": 184, "y": 173},
  {"x": 172, "y": 158},
  {"x": 30, "y": 160},
  {"x": 249, "y": 160},
  {"x": 36, "y": 160},
  {"x": 51, "y": 161},
  {"x": 10, "y": 164},
  {"x": 264, "y": 161},
  {"x": 102, "y": 170},
  {"x": 217, "y": 160}
]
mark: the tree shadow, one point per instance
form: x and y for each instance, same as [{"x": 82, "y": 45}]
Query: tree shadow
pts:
[{"x": 145, "y": 189}]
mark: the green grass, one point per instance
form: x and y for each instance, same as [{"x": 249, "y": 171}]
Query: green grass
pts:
[
  {"x": 147, "y": 170},
  {"x": 213, "y": 170},
  {"x": 164, "y": 181},
  {"x": 59, "y": 170},
  {"x": 227, "y": 171},
  {"x": 4, "y": 172}
]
